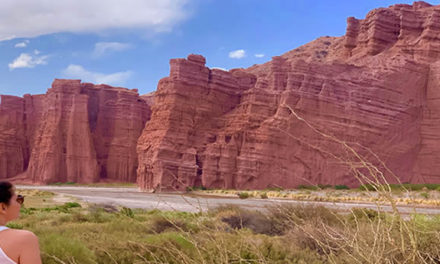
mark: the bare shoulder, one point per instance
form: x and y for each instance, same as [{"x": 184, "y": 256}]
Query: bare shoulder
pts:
[{"x": 25, "y": 236}]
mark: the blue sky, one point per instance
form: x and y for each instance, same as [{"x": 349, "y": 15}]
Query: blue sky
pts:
[{"x": 129, "y": 43}]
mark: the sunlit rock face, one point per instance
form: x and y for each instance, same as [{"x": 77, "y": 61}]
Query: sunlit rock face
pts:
[
  {"x": 76, "y": 132},
  {"x": 318, "y": 114},
  {"x": 328, "y": 112}
]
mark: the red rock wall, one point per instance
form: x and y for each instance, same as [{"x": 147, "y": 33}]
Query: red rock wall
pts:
[
  {"x": 186, "y": 109},
  {"x": 317, "y": 114},
  {"x": 76, "y": 132},
  {"x": 13, "y": 154}
]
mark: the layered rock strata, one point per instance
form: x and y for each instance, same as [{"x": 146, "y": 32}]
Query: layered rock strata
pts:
[
  {"x": 339, "y": 110},
  {"x": 328, "y": 112},
  {"x": 76, "y": 132}
]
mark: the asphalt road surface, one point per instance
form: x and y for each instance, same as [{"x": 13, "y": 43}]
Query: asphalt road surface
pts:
[{"x": 134, "y": 198}]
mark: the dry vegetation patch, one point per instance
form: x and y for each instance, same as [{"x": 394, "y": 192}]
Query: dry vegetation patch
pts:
[{"x": 75, "y": 233}]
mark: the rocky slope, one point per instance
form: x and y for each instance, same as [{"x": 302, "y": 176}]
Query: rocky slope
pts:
[
  {"x": 322, "y": 113},
  {"x": 76, "y": 132},
  {"x": 328, "y": 112}
]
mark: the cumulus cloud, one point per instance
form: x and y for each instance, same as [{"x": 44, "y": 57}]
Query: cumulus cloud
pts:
[
  {"x": 237, "y": 54},
  {"x": 78, "y": 72},
  {"x": 22, "y": 44},
  {"x": 260, "y": 55},
  {"x": 102, "y": 48},
  {"x": 30, "y": 18},
  {"x": 26, "y": 60}
]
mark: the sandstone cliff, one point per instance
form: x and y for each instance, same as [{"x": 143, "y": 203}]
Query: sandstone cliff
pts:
[
  {"x": 326, "y": 112},
  {"x": 318, "y": 114},
  {"x": 76, "y": 132}
]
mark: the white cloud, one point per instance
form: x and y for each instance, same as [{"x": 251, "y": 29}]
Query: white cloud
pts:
[
  {"x": 260, "y": 55},
  {"x": 102, "y": 48},
  {"x": 31, "y": 18},
  {"x": 220, "y": 68},
  {"x": 237, "y": 54},
  {"x": 22, "y": 44},
  {"x": 77, "y": 71},
  {"x": 26, "y": 60}
]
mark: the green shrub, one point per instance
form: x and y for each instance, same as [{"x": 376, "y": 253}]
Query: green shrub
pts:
[
  {"x": 274, "y": 189},
  {"x": 161, "y": 224},
  {"x": 365, "y": 214},
  {"x": 263, "y": 195},
  {"x": 243, "y": 195},
  {"x": 341, "y": 187},
  {"x": 14, "y": 225},
  {"x": 308, "y": 187},
  {"x": 63, "y": 183},
  {"x": 196, "y": 188},
  {"x": 432, "y": 186},
  {"x": 127, "y": 212},
  {"x": 367, "y": 187},
  {"x": 72, "y": 205},
  {"x": 238, "y": 218},
  {"x": 424, "y": 195},
  {"x": 27, "y": 211},
  {"x": 324, "y": 186}
]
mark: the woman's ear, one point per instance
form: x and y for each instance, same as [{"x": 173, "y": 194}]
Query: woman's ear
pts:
[{"x": 3, "y": 208}]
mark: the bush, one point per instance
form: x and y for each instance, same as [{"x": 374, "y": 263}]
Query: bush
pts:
[
  {"x": 286, "y": 217},
  {"x": 415, "y": 187},
  {"x": 14, "y": 225},
  {"x": 274, "y": 189},
  {"x": 308, "y": 187},
  {"x": 196, "y": 188},
  {"x": 424, "y": 195},
  {"x": 341, "y": 187},
  {"x": 367, "y": 187},
  {"x": 72, "y": 205},
  {"x": 365, "y": 214},
  {"x": 161, "y": 224},
  {"x": 238, "y": 218},
  {"x": 243, "y": 195},
  {"x": 263, "y": 195},
  {"x": 27, "y": 211},
  {"x": 63, "y": 208},
  {"x": 127, "y": 212}
]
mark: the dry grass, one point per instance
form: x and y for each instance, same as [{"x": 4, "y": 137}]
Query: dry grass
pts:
[
  {"x": 426, "y": 198},
  {"x": 281, "y": 234}
]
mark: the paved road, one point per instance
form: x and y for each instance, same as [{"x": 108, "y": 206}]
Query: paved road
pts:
[{"x": 133, "y": 198}]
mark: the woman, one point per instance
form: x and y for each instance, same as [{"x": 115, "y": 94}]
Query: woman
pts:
[{"x": 16, "y": 246}]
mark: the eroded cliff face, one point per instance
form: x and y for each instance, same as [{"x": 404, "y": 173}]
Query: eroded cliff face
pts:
[
  {"x": 76, "y": 132},
  {"x": 13, "y": 151},
  {"x": 324, "y": 113},
  {"x": 313, "y": 115}
]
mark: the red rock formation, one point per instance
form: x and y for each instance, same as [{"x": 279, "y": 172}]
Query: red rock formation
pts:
[
  {"x": 76, "y": 132},
  {"x": 318, "y": 114},
  {"x": 185, "y": 110},
  {"x": 13, "y": 154},
  {"x": 295, "y": 120}
]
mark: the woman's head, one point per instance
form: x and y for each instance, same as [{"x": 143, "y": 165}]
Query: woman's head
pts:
[
  {"x": 9, "y": 206},
  {"x": 6, "y": 192}
]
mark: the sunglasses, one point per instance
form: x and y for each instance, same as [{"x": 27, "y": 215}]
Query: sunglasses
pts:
[{"x": 20, "y": 199}]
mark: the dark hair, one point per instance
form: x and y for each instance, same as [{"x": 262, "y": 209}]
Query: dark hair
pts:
[{"x": 6, "y": 192}]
